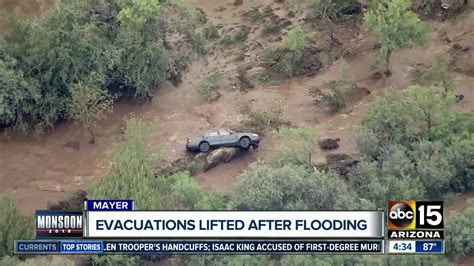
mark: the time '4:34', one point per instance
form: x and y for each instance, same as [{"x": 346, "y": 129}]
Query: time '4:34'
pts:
[{"x": 403, "y": 246}]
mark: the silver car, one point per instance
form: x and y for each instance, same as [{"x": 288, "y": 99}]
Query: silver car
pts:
[{"x": 222, "y": 138}]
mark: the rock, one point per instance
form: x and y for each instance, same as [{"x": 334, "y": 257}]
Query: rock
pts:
[
  {"x": 329, "y": 144},
  {"x": 75, "y": 145},
  {"x": 341, "y": 163},
  {"x": 221, "y": 155},
  {"x": 459, "y": 97}
]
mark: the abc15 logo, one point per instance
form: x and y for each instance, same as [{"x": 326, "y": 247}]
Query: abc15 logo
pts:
[{"x": 411, "y": 215}]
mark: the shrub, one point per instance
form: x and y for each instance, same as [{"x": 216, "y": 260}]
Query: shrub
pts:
[
  {"x": 227, "y": 40},
  {"x": 242, "y": 34},
  {"x": 330, "y": 93},
  {"x": 293, "y": 58},
  {"x": 124, "y": 43},
  {"x": 130, "y": 163},
  {"x": 208, "y": 88},
  {"x": 437, "y": 74},
  {"x": 210, "y": 31},
  {"x": 459, "y": 232},
  {"x": 298, "y": 145},
  {"x": 271, "y": 27},
  {"x": 289, "y": 187},
  {"x": 393, "y": 176},
  {"x": 295, "y": 40},
  {"x": 13, "y": 225},
  {"x": 254, "y": 15},
  {"x": 89, "y": 104},
  {"x": 262, "y": 120}
]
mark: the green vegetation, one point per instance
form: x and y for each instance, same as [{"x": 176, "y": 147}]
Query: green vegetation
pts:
[
  {"x": 43, "y": 60},
  {"x": 292, "y": 57},
  {"x": 210, "y": 31},
  {"x": 415, "y": 146},
  {"x": 459, "y": 232},
  {"x": 13, "y": 225},
  {"x": 290, "y": 187},
  {"x": 254, "y": 15},
  {"x": 397, "y": 27},
  {"x": 242, "y": 34},
  {"x": 297, "y": 145},
  {"x": 262, "y": 120},
  {"x": 436, "y": 74},
  {"x": 227, "y": 40},
  {"x": 89, "y": 104},
  {"x": 329, "y": 93},
  {"x": 208, "y": 88},
  {"x": 330, "y": 12}
]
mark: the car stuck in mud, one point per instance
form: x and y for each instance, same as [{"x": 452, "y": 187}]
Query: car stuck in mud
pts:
[{"x": 222, "y": 138}]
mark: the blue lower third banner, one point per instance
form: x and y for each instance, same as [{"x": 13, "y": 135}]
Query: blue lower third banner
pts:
[{"x": 199, "y": 247}]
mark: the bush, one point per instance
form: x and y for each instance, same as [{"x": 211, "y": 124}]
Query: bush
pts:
[
  {"x": 130, "y": 163},
  {"x": 420, "y": 114},
  {"x": 392, "y": 176},
  {"x": 208, "y": 88},
  {"x": 254, "y": 15},
  {"x": 89, "y": 104},
  {"x": 42, "y": 59},
  {"x": 289, "y": 187},
  {"x": 13, "y": 225},
  {"x": 437, "y": 74},
  {"x": 262, "y": 120},
  {"x": 459, "y": 232},
  {"x": 210, "y": 31},
  {"x": 330, "y": 93},
  {"x": 396, "y": 26},
  {"x": 242, "y": 34},
  {"x": 227, "y": 40},
  {"x": 298, "y": 146},
  {"x": 293, "y": 58}
]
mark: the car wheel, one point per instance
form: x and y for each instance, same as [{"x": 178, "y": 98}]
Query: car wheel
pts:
[
  {"x": 204, "y": 147},
  {"x": 244, "y": 143}
]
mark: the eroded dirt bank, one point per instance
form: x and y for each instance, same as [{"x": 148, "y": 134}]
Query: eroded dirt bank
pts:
[{"x": 36, "y": 171}]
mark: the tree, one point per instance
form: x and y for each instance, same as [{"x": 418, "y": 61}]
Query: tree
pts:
[
  {"x": 459, "y": 232},
  {"x": 391, "y": 176},
  {"x": 13, "y": 225},
  {"x": 418, "y": 113},
  {"x": 298, "y": 145},
  {"x": 293, "y": 57},
  {"x": 89, "y": 104},
  {"x": 18, "y": 96},
  {"x": 289, "y": 187},
  {"x": 396, "y": 26}
]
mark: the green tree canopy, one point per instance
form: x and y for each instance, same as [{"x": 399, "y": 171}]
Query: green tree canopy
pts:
[
  {"x": 396, "y": 26},
  {"x": 290, "y": 187},
  {"x": 13, "y": 225}
]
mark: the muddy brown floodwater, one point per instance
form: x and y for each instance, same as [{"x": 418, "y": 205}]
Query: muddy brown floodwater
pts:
[{"x": 36, "y": 171}]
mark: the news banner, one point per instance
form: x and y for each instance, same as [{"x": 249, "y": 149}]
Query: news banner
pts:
[{"x": 115, "y": 227}]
